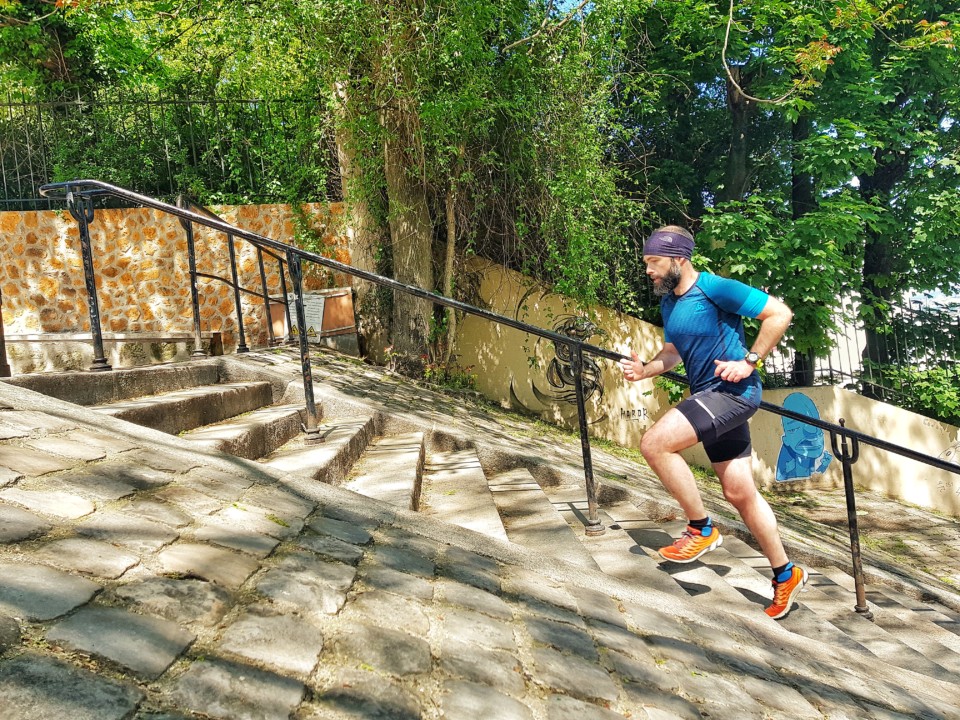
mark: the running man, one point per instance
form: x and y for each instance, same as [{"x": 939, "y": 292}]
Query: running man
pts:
[{"x": 703, "y": 327}]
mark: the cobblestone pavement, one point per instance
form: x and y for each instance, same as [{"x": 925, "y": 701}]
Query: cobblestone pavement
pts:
[{"x": 139, "y": 579}]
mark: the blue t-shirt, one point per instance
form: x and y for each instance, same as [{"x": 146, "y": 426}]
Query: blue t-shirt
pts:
[{"x": 706, "y": 324}]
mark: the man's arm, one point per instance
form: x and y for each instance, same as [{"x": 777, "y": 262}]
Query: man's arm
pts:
[
  {"x": 774, "y": 320},
  {"x": 667, "y": 359}
]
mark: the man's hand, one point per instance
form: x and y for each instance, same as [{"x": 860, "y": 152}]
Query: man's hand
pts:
[
  {"x": 632, "y": 369},
  {"x": 733, "y": 370}
]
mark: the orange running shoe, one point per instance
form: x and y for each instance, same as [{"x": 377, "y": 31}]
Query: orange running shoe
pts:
[
  {"x": 784, "y": 593},
  {"x": 691, "y": 545}
]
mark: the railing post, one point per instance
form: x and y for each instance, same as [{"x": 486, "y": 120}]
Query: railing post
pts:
[
  {"x": 594, "y": 526},
  {"x": 271, "y": 337},
  {"x": 286, "y": 303},
  {"x": 194, "y": 294},
  {"x": 296, "y": 279},
  {"x": 242, "y": 340},
  {"x": 4, "y": 365},
  {"x": 848, "y": 456},
  {"x": 82, "y": 211}
]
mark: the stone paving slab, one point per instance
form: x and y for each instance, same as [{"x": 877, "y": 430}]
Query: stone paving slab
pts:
[
  {"x": 107, "y": 443},
  {"x": 157, "y": 511},
  {"x": 259, "y": 520},
  {"x": 223, "y": 567},
  {"x": 464, "y": 700},
  {"x": 8, "y": 476},
  {"x": 285, "y": 643},
  {"x": 341, "y": 530},
  {"x": 232, "y": 691},
  {"x": 41, "y": 688},
  {"x": 90, "y": 557},
  {"x": 49, "y": 502},
  {"x": 364, "y": 695},
  {"x": 91, "y": 485},
  {"x": 33, "y": 422},
  {"x": 496, "y": 668},
  {"x": 36, "y": 592},
  {"x": 332, "y": 548},
  {"x": 30, "y": 462},
  {"x": 119, "y": 528},
  {"x": 389, "y": 650},
  {"x": 17, "y": 524},
  {"x": 73, "y": 449},
  {"x": 188, "y": 602},
  {"x": 144, "y": 645},
  {"x": 128, "y": 468},
  {"x": 236, "y": 537},
  {"x": 9, "y": 633}
]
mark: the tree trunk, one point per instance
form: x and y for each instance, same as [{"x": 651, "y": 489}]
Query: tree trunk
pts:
[
  {"x": 741, "y": 110},
  {"x": 448, "y": 267},
  {"x": 411, "y": 234},
  {"x": 365, "y": 234},
  {"x": 803, "y": 201}
]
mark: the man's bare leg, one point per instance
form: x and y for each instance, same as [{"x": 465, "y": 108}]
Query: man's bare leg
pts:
[
  {"x": 736, "y": 477},
  {"x": 661, "y": 446}
]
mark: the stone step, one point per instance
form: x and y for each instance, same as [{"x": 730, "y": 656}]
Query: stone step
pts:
[
  {"x": 836, "y": 608},
  {"x": 531, "y": 520},
  {"x": 748, "y": 571},
  {"x": 455, "y": 490},
  {"x": 345, "y": 439},
  {"x": 618, "y": 554},
  {"x": 182, "y": 410},
  {"x": 391, "y": 470},
  {"x": 252, "y": 435},
  {"x": 932, "y": 641}
]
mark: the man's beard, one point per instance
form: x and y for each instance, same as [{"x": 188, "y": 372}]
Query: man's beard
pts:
[{"x": 669, "y": 282}]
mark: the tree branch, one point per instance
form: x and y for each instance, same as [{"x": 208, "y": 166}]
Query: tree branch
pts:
[{"x": 544, "y": 30}]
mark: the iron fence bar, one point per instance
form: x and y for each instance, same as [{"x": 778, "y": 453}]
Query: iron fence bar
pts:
[
  {"x": 271, "y": 337},
  {"x": 194, "y": 293},
  {"x": 848, "y": 456},
  {"x": 4, "y": 366},
  {"x": 594, "y": 526},
  {"x": 242, "y": 344},
  {"x": 296, "y": 279},
  {"x": 81, "y": 208},
  {"x": 286, "y": 305}
]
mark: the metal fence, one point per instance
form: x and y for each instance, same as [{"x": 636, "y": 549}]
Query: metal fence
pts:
[
  {"x": 913, "y": 353},
  {"x": 217, "y": 149}
]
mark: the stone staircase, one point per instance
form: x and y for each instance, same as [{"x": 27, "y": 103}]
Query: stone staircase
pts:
[{"x": 403, "y": 452}]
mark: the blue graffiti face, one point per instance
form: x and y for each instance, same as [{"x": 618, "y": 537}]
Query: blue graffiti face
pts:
[
  {"x": 805, "y": 440},
  {"x": 802, "y": 453}
]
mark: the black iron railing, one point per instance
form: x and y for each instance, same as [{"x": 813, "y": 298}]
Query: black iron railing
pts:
[{"x": 79, "y": 196}]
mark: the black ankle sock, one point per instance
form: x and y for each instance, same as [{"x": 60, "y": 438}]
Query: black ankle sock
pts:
[
  {"x": 782, "y": 570},
  {"x": 700, "y": 524}
]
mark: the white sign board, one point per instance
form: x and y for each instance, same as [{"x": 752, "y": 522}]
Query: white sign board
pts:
[{"x": 312, "y": 311}]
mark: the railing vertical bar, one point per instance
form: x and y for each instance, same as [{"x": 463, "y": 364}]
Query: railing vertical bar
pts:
[
  {"x": 4, "y": 365},
  {"x": 81, "y": 208},
  {"x": 242, "y": 337},
  {"x": 194, "y": 292},
  {"x": 594, "y": 526},
  {"x": 271, "y": 336},
  {"x": 296, "y": 279},
  {"x": 848, "y": 455},
  {"x": 286, "y": 303}
]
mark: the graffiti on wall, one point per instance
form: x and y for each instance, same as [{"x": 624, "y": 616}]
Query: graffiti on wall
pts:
[
  {"x": 560, "y": 382},
  {"x": 803, "y": 450}
]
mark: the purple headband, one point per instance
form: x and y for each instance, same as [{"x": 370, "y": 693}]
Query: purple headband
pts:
[{"x": 664, "y": 243}]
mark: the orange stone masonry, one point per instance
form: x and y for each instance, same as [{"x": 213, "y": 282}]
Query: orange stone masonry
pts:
[{"x": 142, "y": 270}]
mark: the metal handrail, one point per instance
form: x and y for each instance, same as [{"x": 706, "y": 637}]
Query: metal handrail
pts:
[{"x": 83, "y": 192}]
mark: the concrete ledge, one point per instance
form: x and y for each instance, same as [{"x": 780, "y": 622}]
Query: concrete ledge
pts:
[{"x": 48, "y": 352}]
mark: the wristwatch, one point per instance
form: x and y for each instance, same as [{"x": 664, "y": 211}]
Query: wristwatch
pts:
[{"x": 754, "y": 359}]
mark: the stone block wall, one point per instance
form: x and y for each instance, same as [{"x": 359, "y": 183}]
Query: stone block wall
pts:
[{"x": 142, "y": 270}]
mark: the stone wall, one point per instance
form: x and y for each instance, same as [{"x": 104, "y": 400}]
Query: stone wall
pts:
[{"x": 142, "y": 270}]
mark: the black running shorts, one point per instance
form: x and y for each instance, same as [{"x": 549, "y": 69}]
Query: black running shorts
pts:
[{"x": 720, "y": 421}]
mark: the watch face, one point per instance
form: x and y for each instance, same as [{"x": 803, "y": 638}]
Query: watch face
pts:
[{"x": 753, "y": 358}]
